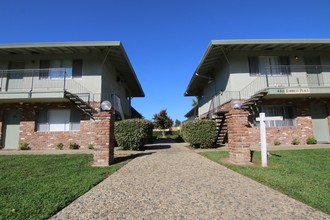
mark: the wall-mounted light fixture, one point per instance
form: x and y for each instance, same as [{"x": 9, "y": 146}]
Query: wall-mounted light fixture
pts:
[
  {"x": 106, "y": 105},
  {"x": 296, "y": 57},
  {"x": 235, "y": 104}
]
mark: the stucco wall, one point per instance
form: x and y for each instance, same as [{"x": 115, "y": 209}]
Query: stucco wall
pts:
[
  {"x": 220, "y": 82},
  {"x": 114, "y": 83},
  {"x": 96, "y": 77}
]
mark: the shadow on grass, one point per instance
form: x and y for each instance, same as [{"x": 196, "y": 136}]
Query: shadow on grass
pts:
[{"x": 269, "y": 154}]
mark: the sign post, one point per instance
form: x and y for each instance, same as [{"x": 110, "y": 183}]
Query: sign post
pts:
[{"x": 262, "y": 118}]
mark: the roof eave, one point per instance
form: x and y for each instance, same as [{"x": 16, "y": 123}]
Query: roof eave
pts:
[
  {"x": 137, "y": 90},
  {"x": 140, "y": 93},
  {"x": 60, "y": 44},
  {"x": 191, "y": 93},
  {"x": 216, "y": 43}
]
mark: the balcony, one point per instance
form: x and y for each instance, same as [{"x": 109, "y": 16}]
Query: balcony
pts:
[
  {"x": 38, "y": 84},
  {"x": 45, "y": 85},
  {"x": 288, "y": 76},
  {"x": 277, "y": 81}
]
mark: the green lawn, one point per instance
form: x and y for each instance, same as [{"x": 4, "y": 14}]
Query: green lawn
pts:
[
  {"x": 38, "y": 186},
  {"x": 301, "y": 174}
]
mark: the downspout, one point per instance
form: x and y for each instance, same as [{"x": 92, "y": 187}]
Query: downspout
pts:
[{"x": 102, "y": 64}]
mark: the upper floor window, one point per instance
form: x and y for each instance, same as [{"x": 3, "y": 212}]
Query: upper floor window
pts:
[
  {"x": 269, "y": 65},
  {"x": 60, "y": 69}
]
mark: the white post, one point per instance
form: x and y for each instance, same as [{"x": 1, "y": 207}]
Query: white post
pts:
[
  {"x": 263, "y": 140},
  {"x": 262, "y": 118}
]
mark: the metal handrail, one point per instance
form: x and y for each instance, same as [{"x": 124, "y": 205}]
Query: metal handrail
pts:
[
  {"x": 286, "y": 76},
  {"x": 35, "y": 79},
  {"x": 278, "y": 76}
]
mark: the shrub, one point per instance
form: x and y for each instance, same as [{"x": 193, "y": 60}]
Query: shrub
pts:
[
  {"x": 74, "y": 146},
  {"x": 199, "y": 133},
  {"x": 132, "y": 134},
  {"x": 90, "y": 146},
  {"x": 277, "y": 143},
  {"x": 24, "y": 146},
  {"x": 311, "y": 140},
  {"x": 59, "y": 146},
  {"x": 295, "y": 142}
]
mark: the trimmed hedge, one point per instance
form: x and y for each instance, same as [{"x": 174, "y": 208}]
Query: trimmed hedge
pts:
[
  {"x": 132, "y": 134},
  {"x": 199, "y": 133}
]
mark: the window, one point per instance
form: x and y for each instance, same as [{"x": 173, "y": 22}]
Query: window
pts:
[
  {"x": 59, "y": 120},
  {"x": 269, "y": 65},
  {"x": 57, "y": 69},
  {"x": 286, "y": 111}
]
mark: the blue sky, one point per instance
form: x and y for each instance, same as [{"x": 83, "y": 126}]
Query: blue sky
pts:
[{"x": 165, "y": 40}]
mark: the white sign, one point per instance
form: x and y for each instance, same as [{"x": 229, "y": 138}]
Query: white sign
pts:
[{"x": 262, "y": 118}]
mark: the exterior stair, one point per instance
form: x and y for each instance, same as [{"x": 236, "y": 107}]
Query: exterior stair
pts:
[
  {"x": 221, "y": 128},
  {"x": 256, "y": 97},
  {"x": 81, "y": 104}
]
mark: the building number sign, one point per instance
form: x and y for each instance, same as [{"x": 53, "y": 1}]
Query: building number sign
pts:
[{"x": 294, "y": 91}]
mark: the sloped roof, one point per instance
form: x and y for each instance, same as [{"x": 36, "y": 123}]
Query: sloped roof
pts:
[
  {"x": 218, "y": 48},
  {"x": 112, "y": 50}
]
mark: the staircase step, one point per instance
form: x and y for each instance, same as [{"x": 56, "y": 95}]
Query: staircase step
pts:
[
  {"x": 81, "y": 104},
  {"x": 221, "y": 129}
]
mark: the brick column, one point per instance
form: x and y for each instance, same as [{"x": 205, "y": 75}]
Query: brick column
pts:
[
  {"x": 238, "y": 136},
  {"x": 27, "y": 124},
  {"x": 103, "y": 139}
]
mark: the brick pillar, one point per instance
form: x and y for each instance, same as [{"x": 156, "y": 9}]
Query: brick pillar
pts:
[
  {"x": 238, "y": 136},
  {"x": 103, "y": 139},
  {"x": 27, "y": 125}
]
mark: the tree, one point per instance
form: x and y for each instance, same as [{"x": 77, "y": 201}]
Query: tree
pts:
[
  {"x": 162, "y": 121},
  {"x": 177, "y": 123}
]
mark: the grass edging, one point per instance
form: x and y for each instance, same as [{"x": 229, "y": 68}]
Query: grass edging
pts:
[{"x": 38, "y": 186}]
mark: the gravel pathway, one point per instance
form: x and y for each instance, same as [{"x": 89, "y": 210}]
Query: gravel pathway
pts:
[{"x": 173, "y": 182}]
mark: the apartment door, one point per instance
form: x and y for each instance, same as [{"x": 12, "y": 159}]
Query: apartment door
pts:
[
  {"x": 320, "y": 122},
  {"x": 15, "y": 75},
  {"x": 11, "y": 129},
  {"x": 313, "y": 70}
]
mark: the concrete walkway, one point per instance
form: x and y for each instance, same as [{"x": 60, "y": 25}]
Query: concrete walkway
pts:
[{"x": 172, "y": 182}]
